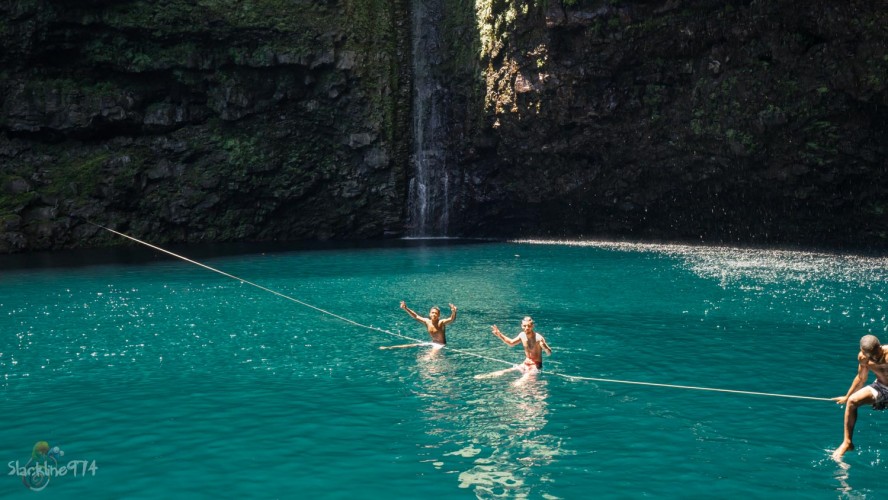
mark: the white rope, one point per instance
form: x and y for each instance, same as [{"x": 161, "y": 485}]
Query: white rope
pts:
[
  {"x": 269, "y": 290},
  {"x": 653, "y": 384},
  {"x": 459, "y": 351},
  {"x": 223, "y": 273}
]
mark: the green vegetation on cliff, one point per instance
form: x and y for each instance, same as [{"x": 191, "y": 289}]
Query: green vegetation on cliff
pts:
[{"x": 215, "y": 119}]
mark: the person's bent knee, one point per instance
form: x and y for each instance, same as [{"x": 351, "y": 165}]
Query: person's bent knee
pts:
[{"x": 860, "y": 399}]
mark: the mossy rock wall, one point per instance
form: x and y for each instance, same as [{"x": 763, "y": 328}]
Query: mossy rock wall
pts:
[
  {"x": 726, "y": 122},
  {"x": 741, "y": 122},
  {"x": 213, "y": 120}
]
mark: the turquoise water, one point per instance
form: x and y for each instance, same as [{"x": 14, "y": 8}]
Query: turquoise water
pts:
[{"x": 178, "y": 382}]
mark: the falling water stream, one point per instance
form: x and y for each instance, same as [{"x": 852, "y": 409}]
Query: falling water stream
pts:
[{"x": 428, "y": 197}]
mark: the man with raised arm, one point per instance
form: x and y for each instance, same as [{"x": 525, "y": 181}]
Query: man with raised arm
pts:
[
  {"x": 534, "y": 345},
  {"x": 434, "y": 325},
  {"x": 872, "y": 357}
]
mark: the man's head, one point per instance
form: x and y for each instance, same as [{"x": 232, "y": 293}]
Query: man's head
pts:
[
  {"x": 527, "y": 324},
  {"x": 434, "y": 313},
  {"x": 870, "y": 346}
]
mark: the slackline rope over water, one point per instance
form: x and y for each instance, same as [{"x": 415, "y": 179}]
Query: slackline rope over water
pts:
[{"x": 460, "y": 351}]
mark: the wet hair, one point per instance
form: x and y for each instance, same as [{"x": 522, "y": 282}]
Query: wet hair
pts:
[
  {"x": 869, "y": 343},
  {"x": 436, "y": 308},
  {"x": 527, "y": 319}
]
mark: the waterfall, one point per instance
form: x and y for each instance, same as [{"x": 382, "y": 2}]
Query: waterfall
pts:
[{"x": 428, "y": 197}]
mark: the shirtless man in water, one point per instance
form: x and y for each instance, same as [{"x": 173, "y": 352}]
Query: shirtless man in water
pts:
[
  {"x": 534, "y": 345},
  {"x": 872, "y": 357},
  {"x": 434, "y": 324}
]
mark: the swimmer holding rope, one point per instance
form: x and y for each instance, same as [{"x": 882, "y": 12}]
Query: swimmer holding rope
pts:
[
  {"x": 534, "y": 345},
  {"x": 872, "y": 357},
  {"x": 436, "y": 327}
]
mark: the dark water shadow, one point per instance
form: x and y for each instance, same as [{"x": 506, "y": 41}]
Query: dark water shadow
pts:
[{"x": 135, "y": 254}]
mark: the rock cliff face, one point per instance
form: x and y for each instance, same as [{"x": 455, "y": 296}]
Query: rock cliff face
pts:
[
  {"x": 202, "y": 121},
  {"x": 740, "y": 121}
]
